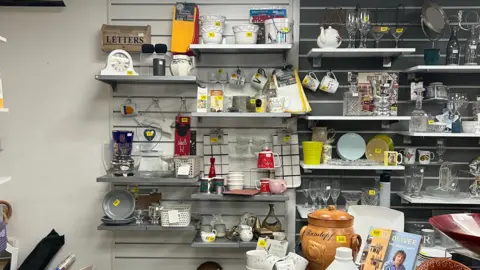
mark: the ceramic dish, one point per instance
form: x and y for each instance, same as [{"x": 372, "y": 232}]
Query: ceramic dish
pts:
[
  {"x": 427, "y": 253},
  {"x": 462, "y": 228},
  {"x": 442, "y": 264},
  {"x": 351, "y": 146},
  {"x": 108, "y": 221},
  {"x": 118, "y": 204},
  {"x": 375, "y": 149},
  {"x": 387, "y": 139}
]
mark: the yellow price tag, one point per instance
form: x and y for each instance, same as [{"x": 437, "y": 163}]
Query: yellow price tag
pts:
[
  {"x": 262, "y": 243},
  {"x": 211, "y": 34},
  {"x": 220, "y": 71},
  {"x": 213, "y": 140},
  {"x": 219, "y": 98},
  {"x": 203, "y": 97},
  {"x": 383, "y": 29},
  {"x": 286, "y": 29},
  {"x": 399, "y": 30},
  {"x": 234, "y": 75},
  {"x": 372, "y": 192},
  {"x": 134, "y": 190},
  {"x": 184, "y": 120},
  {"x": 252, "y": 101},
  {"x": 129, "y": 72},
  {"x": 149, "y": 133},
  {"x": 258, "y": 109},
  {"x": 430, "y": 122},
  {"x": 116, "y": 202},
  {"x": 210, "y": 238},
  {"x": 378, "y": 150},
  {"x": 306, "y": 80},
  {"x": 287, "y": 138},
  {"x": 323, "y": 88},
  {"x": 257, "y": 75},
  {"x": 376, "y": 233},
  {"x": 218, "y": 24},
  {"x": 341, "y": 239},
  {"x": 248, "y": 34}
]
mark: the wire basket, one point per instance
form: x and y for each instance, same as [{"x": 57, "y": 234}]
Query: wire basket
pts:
[
  {"x": 193, "y": 161},
  {"x": 169, "y": 212}
]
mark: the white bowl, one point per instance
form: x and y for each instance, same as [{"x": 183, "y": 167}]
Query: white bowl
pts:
[
  {"x": 235, "y": 183},
  {"x": 212, "y": 18},
  {"x": 212, "y": 38},
  {"x": 235, "y": 178},
  {"x": 211, "y": 28},
  {"x": 469, "y": 126},
  {"x": 256, "y": 259},
  {"x": 280, "y": 236},
  {"x": 213, "y": 23},
  {"x": 246, "y": 33},
  {"x": 235, "y": 187}
]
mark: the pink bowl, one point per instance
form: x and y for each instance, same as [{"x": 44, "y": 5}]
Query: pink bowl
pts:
[{"x": 462, "y": 228}]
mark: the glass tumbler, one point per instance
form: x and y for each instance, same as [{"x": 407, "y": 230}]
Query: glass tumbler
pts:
[
  {"x": 370, "y": 196},
  {"x": 417, "y": 183}
]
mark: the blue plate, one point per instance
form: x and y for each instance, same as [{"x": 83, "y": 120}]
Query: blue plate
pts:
[{"x": 351, "y": 146}]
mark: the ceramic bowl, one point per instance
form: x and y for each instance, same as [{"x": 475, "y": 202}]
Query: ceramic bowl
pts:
[
  {"x": 469, "y": 126},
  {"x": 256, "y": 259},
  {"x": 212, "y": 38},
  {"x": 351, "y": 146},
  {"x": 280, "y": 236},
  {"x": 239, "y": 183},
  {"x": 246, "y": 33},
  {"x": 432, "y": 253},
  {"x": 442, "y": 264},
  {"x": 235, "y": 187},
  {"x": 212, "y": 18}
]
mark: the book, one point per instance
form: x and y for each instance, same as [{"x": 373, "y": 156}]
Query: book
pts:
[{"x": 390, "y": 250}]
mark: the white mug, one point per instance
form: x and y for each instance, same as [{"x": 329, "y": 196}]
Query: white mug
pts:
[
  {"x": 208, "y": 236},
  {"x": 237, "y": 79},
  {"x": 409, "y": 155},
  {"x": 329, "y": 83},
  {"x": 424, "y": 157},
  {"x": 311, "y": 81},
  {"x": 277, "y": 104},
  {"x": 259, "y": 79}
]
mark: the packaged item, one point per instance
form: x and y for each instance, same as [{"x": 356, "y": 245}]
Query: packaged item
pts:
[
  {"x": 202, "y": 94},
  {"x": 259, "y": 16},
  {"x": 185, "y": 27},
  {"x": 216, "y": 101},
  {"x": 288, "y": 85}
]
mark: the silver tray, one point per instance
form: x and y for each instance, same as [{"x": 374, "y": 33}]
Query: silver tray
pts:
[
  {"x": 118, "y": 204},
  {"x": 108, "y": 221}
]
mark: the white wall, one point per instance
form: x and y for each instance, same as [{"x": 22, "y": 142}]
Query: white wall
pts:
[{"x": 59, "y": 116}]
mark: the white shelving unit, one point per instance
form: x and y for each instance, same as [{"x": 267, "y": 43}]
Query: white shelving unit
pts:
[
  {"x": 303, "y": 211},
  {"x": 426, "y": 199},
  {"x": 240, "y": 48},
  {"x": 359, "y": 118},
  {"x": 443, "y": 69},
  {"x": 359, "y": 168},
  {"x": 388, "y": 54},
  {"x": 441, "y": 135},
  {"x": 241, "y": 115}
]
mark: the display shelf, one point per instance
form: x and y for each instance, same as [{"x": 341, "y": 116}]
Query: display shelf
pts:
[
  {"x": 443, "y": 69},
  {"x": 350, "y": 167},
  {"x": 4, "y": 110},
  {"x": 240, "y": 48},
  {"x": 144, "y": 227},
  {"x": 359, "y": 118},
  {"x": 241, "y": 115},
  {"x": 426, "y": 199},
  {"x": 251, "y": 244},
  {"x": 259, "y": 197},
  {"x": 437, "y": 134},
  {"x": 222, "y": 243},
  {"x": 148, "y": 180},
  {"x": 388, "y": 54},
  {"x": 114, "y": 80},
  {"x": 304, "y": 211}
]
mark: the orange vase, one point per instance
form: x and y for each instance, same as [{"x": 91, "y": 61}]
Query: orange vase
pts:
[{"x": 327, "y": 229}]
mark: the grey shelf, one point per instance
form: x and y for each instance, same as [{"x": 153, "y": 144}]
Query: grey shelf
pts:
[
  {"x": 144, "y": 227},
  {"x": 235, "y": 115},
  {"x": 148, "y": 180},
  {"x": 222, "y": 243},
  {"x": 190, "y": 227},
  {"x": 259, "y": 197},
  {"x": 114, "y": 80},
  {"x": 252, "y": 244}
]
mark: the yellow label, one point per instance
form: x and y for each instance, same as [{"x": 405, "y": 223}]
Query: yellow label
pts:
[
  {"x": 219, "y": 98},
  {"x": 262, "y": 243},
  {"x": 306, "y": 80},
  {"x": 430, "y": 122},
  {"x": 286, "y": 29},
  {"x": 129, "y": 72},
  {"x": 287, "y": 139},
  {"x": 258, "y": 109},
  {"x": 134, "y": 190},
  {"x": 323, "y": 88},
  {"x": 248, "y": 34},
  {"x": 376, "y": 233},
  {"x": 149, "y": 133},
  {"x": 341, "y": 239},
  {"x": 383, "y": 29},
  {"x": 116, "y": 202},
  {"x": 423, "y": 253},
  {"x": 220, "y": 71},
  {"x": 184, "y": 120},
  {"x": 211, "y": 34},
  {"x": 203, "y": 97},
  {"x": 372, "y": 192},
  {"x": 217, "y": 24},
  {"x": 234, "y": 75},
  {"x": 378, "y": 150},
  {"x": 252, "y": 101},
  {"x": 366, "y": 19},
  {"x": 210, "y": 238},
  {"x": 399, "y": 30},
  {"x": 257, "y": 75},
  {"x": 213, "y": 140}
]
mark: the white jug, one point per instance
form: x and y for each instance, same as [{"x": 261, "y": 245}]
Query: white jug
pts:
[
  {"x": 246, "y": 233},
  {"x": 182, "y": 65}
]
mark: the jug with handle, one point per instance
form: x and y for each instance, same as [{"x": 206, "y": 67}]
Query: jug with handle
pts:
[{"x": 182, "y": 65}]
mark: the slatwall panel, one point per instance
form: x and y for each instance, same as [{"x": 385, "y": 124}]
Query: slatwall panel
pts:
[
  {"x": 148, "y": 250},
  {"x": 459, "y": 150}
]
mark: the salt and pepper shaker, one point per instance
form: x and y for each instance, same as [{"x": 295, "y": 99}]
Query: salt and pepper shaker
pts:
[
  {"x": 385, "y": 189},
  {"x": 66, "y": 263}
]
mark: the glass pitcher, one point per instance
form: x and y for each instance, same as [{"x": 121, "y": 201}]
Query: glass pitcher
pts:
[
  {"x": 320, "y": 134},
  {"x": 471, "y": 46}
]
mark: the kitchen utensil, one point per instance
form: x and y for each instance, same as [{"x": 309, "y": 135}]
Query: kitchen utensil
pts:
[
  {"x": 440, "y": 150},
  {"x": 417, "y": 181},
  {"x": 424, "y": 157},
  {"x": 108, "y": 221},
  {"x": 398, "y": 30},
  {"x": 215, "y": 20},
  {"x": 246, "y": 33},
  {"x": 351, "y": 26},
  {"x": 206, "y": 228},
  {"x": 311, "y": 81},
  {"x": 280, "y": 236},
  {"x": 138, "y": 215},
  {"x": 329, "y": 38},
  {"x": 277, "y": 186},
  {"x": 256, "y": 258},
  {"x": 266, "y": 159},
  {"x": 182, "y": 65},
  {"x": 351, "y": 146},
  {"x": 264, "y": 185},
  {"x": 375, "y": 150},
  {"x": 370, "y": 196},
  {"x": 312, "y": 152},
  {"x": 329, "y": 83},
  {"x": 118, "y": 204},
  {"x": 259, "y": 79},
  {"x": 154, "y": 214},
  {"x": 279, "y": 30},
  {"x": 428, "y": 238},
  {"x": 320, "y": 251},
  {"x": 409, "y": 155},
  {"x": 364, "y": 25},
  {"x": 212, "y": 34},
  {"x": 235, "y": 187},
  {"x": 208, "y": 237}
]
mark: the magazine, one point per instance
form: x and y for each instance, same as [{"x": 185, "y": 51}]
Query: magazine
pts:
[
  {"x": 259, "y": 16},
  {"x": 390, "y": 250}
]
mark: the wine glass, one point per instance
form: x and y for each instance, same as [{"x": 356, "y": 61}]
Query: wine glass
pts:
[
  {"x": 313, "y": 192},
  {"x": 138, "y": 215},
  {"x": 325, "y": 192},
  {"x": 351, "y": 26},
  {"x": 305, "y": 194},
  {"x": 222, "y": 78},
  {"x": 364, "y": 24},
  {"x": 396, "y": 33},
  {"x": 440, "y": 149},
  {"x": 335, "y": 187},
  {"x": 379, "y": 30}
]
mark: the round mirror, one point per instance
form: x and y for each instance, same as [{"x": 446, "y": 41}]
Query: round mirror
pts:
[{"x": 434, "y": 17}]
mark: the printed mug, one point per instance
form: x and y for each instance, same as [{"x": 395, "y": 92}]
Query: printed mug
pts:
[
  {"x": 264, "y": 186},
  {"x": 424, "y": 157},
  {"x": 237, "y": 80},
  {"x": 391, "y": 158},
  {"x": 329, "y": 83},
  {"x": 409, "y": 155},
  {"x": 259, "y": 79},
  {"x": 311, "y": 81},
  {"x": 277, "y": 104}
]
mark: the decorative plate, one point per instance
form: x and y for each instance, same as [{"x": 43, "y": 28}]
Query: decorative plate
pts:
[
  {"x": 375, "y": 149},
  {"x": 351, "y": 146},
  {"x": 118, "y": 204}
]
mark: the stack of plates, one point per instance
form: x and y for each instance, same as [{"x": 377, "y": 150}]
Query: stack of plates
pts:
[
  {"x": 118, "y": 206},
  {"x": 427, "y": 253},
  {"x": 108, "y": 221},
  {"x": 235, "y": 180}
]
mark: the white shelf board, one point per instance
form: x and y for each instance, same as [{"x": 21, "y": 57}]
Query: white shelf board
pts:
[
  {"x": 240, "y": 48},
  {"x": 3, "y": 109},
  {"x": 437, "y": 134},
  {"x": 360, "y": 118},
  {"x": 252, "y": 115},
  {"x": 426, "y": 199},
  {"x": 360, "y": 52},
  {"x": 444, "y": 69},
  {"x": 362, "y": 168}
]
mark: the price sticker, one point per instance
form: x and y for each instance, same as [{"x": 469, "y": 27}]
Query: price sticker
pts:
[
  {"x": 262, "y": 243},
  {"x": 399, "y": 30},
  {"x": 234, "y": 75},
  {"x": 372, "y": 192},
  {"x": 248, "y": 34},
  {"x": 134, "y": 190},
  {"x": 220, "y": 71},
  {"x": 257, "y": 75},
  {"x": 184, "y": 120},
  {"x": 252, "y": 101},
  {"x": 306, "y": 80},
  {"x": 286, "y": 29},
  {"x": 149, "y": 133},
  {"x": 130, "y": 73},
  {"x": 219, "y": 98},
  {"x": 116, "y": 203},
  {"x": 203, "y": 97},
  {"x": 376, "y": 233},
  {"x": 287, "y": 138},
  {"x": 210, "y": 238},
  {"x": 341, "y": 239},
  {"x": 383, "y": 29},
  {"x": 430, "y": 122},
  {"x": 211, "y": 34},
  {"x": 213, "y": 140},
  {"x": 378, "y": 150},
  {"x": 258, "y": 109},
  {"x": 218, "y": 24},
  {"x": 323, "y": 88}
]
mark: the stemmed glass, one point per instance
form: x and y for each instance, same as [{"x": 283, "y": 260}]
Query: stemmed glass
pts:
[
  {"x": 325, "y": 192},
  {"x": 378, "y": 30},
  {"x": 312, "y": 191},
  {"x": 440, "y": 149},
  {"x": 305, "y": 194},
  {"x": 222, "y": 78},
  {"x": 351, "y": 26},
  {"x": 364, "y": 24},
  {"x": 397, "y": 31},
  {"x": 138, "y": 215},
  {"x": 335, "y": 187}
]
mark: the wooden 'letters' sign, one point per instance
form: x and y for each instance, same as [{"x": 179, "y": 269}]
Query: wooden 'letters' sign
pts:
[{"x": 129, "y": 38}]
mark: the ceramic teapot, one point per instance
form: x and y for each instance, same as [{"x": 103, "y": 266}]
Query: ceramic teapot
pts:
[
  {"x": 329, "y": 38},
  {"x": 267, "y": 159},
  {"x": 327, "y": 229},
  {"x": 277, "y": 186},
  {"x": 246, "y": 233},
  {"x": 182, "y": 65}
]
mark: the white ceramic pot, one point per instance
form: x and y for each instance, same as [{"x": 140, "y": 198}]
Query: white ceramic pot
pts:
[
  {"x": 212, "y": 38},
  {"x": 329, "y": 38},
  {"x": 280, "y": 236},
  {"x": 208, "y": 236},
  {"x": 246, "y": 233},
  {"x": 214, "y": 20},
  {"x": 182, "y": 65},
  {"x": 246, "y": 33},
  {"x": 256, "y": 259}
]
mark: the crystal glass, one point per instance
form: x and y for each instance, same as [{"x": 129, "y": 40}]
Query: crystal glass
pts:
[
  {"x": 440, "y": 149},
  {"x": 326, "y": 191},
  {"x": 419, "y": 120},
  {"x": 257, "y": 145},
  {"x": 351, "y": 26},
  {"x": 305, "y": 194},
  {"x": 370, "y": 196},
  {"x": 138, "y": 215},
  {"x": 222, "y": 77},
  {"x": 453, "y": 48},
  {"x": 417, "y": 182},
  {"x": 312, "y": 191},
  {"x": 457, "y": 103},
  {"x": 351, "y": 198},
  {"x": 154, "y": 214},
  {"x": 476, "y": 108},
  {"x": 377, "y": 33},
  {"x": 396, "y": 33},
  {"x": 335, "y": 187},
  {"x": 319, "y": 198},
  {"x": 408, "y": 183},
  {"x": 243, "y": 143},
  {"x": 352, "y": 104},
  {"x": 471, "y": 46},
  {"x": 475, "y": 189},
  {"x": 364, "y": 26}
]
